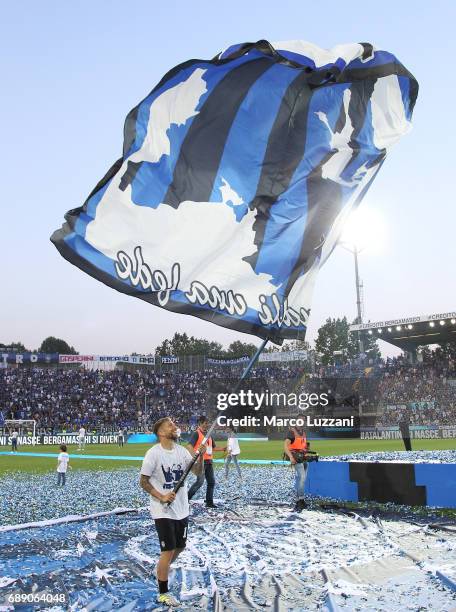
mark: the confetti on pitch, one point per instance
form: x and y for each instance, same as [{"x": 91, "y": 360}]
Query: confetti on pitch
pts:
[
  {"x": 419, "y": 456},
  {"x": 253, "y": 552}
]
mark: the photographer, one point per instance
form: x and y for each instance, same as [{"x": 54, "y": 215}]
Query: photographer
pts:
[{"x": 295, "y": 447}]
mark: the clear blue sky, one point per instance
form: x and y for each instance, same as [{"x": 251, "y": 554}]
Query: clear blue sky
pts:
[{"x": 71, "y": 72}]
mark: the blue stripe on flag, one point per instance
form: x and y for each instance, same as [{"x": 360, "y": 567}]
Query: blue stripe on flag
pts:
[
  {"x": 79, "y": 245},
  {"x": 241, "y": 162},
  {"x": 380, "y": 59},
  {"x": 153, "y": 179}
]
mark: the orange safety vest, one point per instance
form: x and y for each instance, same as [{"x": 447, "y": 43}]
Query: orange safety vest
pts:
[
  {"x": 208, "y": 453},
  {"x": 298, "y": 444}
]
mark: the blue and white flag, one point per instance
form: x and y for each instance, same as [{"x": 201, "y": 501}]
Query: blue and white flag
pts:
[{"x": 236, "y": 178}]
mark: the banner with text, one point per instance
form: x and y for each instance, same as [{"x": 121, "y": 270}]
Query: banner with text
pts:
[
  {"x": 423, "y": 433},
  {"x": 224, "y": 362},
  {"x": 50, "y": 440},
  {"x": 284, "y": 356},
  {"x": 28, "y": 358},
  {"x": 144, "y": 359}
]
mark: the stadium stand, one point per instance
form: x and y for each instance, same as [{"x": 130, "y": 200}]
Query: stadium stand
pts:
[{"x": 63, "y": 399}]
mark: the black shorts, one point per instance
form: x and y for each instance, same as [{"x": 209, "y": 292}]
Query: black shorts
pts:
[{"x": 172, "y": 534}]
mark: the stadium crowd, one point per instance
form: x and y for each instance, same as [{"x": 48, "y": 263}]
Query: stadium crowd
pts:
[
  {"x": 425, "y": 393},
  {"x": 62, "y": 399},
  {"x": 66, "y": 399}
]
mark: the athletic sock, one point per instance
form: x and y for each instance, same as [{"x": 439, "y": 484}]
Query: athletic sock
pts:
[{"x": 163, "y": 586}]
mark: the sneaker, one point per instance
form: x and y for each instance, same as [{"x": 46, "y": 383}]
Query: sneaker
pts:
[
  {"x": 210, "y": 505},
  {"x": 168, "y": 600},
  {"x": 300, "y": 505}
]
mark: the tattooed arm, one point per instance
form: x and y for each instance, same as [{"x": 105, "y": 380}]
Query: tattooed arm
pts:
[{"x": 148, "y": 488}]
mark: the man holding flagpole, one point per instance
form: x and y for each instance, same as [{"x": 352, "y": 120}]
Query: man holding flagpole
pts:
[{"x": 163, "y": 466}]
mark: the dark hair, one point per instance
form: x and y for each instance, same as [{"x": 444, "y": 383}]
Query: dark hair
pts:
[
  {"x": 158, "y": 424},
  {"x": 202, "y": 419},
  {"x": 63, "y": 448}
]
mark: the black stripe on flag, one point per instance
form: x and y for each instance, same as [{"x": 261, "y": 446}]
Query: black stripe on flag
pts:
[
  {"x": 377, "y": 72},
  {"x": 284, "y": 152},
  {"x": 368, "y": 51},
  {"x": 324, "y": 201},
  {"x": 130, "y": 123},
  {"x": 205, "y": 141},
  {"x": 361, "y": 93},
  {"x": 324, "y": 196}
]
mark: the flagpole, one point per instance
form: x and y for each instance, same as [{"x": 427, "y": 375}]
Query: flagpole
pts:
[
  {"x": 198, "y": 453},
  {"x": 251, "y": 363}
]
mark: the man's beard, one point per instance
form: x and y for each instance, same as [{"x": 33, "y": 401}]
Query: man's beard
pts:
[{"x": 172, "y": 436}]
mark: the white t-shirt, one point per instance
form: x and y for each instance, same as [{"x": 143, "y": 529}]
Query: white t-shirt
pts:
[
  {"x": 14, "y": 435},
  {"x": 232, "y": 446},
  {"x": 164, "y": 468},
  {"x": 82, "y": 433},
  {"x": 63, "y": 460}
]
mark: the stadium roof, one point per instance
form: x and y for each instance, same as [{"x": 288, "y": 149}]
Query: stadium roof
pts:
[{"x": 409, "y": 332}]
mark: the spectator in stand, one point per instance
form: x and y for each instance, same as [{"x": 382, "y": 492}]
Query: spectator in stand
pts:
[{"x": 67, "y": 399}]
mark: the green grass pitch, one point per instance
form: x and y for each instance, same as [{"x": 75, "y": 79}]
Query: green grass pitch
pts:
[{"x": 272, "y": 449}]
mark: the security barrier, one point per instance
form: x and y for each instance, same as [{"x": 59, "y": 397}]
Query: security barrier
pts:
[{"x": 413, "y": 484}]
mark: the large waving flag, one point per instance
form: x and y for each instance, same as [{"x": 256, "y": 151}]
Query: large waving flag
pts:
[{"x": 236, "y": 178}]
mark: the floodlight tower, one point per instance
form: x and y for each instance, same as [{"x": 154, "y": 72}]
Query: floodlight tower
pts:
[
  {"x": 355, "y": 249},
  {"x": 359, "y": 296},
  {"x": 363, "y": 230}
]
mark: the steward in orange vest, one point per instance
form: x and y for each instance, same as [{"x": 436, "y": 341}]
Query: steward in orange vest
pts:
[
  {"x": 209, "y": 443},
  {"x": 299, "y": 443},
  {"x": 208, "y": 474}
]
